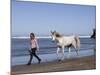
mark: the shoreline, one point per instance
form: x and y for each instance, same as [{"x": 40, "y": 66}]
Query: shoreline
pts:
[
  {"x": 83, "y": 63},
  {"x": 49, "y": 57}
]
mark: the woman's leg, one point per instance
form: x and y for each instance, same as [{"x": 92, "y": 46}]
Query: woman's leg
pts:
[
  {"x": 31, "y": 56},
  {"x": 37, "y": 57},
  {"x": 34, "y": 53}
]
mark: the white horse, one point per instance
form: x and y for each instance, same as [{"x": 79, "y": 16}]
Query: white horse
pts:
[{"x": 66, "y": 41}]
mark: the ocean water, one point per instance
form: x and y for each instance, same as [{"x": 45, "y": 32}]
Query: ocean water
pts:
[{"x": 20, "y": 47}]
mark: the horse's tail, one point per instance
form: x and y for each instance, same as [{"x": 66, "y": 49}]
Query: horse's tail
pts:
[{"x": 77, "y": 41}]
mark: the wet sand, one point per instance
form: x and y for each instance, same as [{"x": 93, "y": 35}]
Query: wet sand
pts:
[{"x": 83, "y": 63}]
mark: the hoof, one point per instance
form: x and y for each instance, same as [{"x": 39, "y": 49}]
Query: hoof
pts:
[
  {"x": 78, "y": 56},
  {"x": 39, "y": 61},
  {"x": 59, "y": 60},
  {"x": 68, "y": 57}
]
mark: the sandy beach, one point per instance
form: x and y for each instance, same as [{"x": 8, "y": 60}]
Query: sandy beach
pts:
[{"x": 83, "y": 63}]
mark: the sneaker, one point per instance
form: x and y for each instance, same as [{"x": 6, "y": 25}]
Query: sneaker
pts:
[
  {"x": 28, "y": 64},
  {"x": 39, "y": 61}
]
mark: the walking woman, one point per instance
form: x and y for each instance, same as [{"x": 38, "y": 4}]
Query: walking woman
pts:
[{"x": 34, "y": 48}]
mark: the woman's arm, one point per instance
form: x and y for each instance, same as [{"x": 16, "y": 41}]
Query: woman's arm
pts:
[{"x": 37, "y": 44}]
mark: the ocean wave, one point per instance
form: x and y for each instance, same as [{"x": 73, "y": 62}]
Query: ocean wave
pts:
[
  {"x": 39, "y": 37},
  {"x": 23, "y": 37}
]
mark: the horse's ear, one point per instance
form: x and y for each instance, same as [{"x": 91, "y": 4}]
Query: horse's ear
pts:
[{"x": 51, "y": 31}]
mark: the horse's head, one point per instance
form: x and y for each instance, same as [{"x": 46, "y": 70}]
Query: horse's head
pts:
[{"x": 53, "y": 35}]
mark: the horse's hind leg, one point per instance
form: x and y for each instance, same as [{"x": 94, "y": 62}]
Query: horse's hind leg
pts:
[
  {"x": 69, "y": 51},
  {"x": 76, "y": 49}
]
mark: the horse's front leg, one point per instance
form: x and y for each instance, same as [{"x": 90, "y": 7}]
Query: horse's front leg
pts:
[
  {"x": 78, "y": 53},
  {"x": 58, "y": 49},
  {"x": 62, "y": 53}
]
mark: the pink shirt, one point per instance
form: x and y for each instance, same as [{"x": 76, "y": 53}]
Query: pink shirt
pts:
[{"x": 34, "y": 43}]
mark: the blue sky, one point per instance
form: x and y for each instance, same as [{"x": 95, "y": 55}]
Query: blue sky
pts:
[{"x": 41, "y": 18}]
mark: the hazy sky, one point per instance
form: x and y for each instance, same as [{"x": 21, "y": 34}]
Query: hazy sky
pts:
[{"x": 40, "y": 18}]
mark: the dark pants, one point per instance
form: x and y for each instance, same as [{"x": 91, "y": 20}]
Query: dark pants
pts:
[{"x": 33, "y": 53}]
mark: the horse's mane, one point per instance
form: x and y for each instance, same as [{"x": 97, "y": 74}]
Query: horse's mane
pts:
[{"x": 58, "y": 35}]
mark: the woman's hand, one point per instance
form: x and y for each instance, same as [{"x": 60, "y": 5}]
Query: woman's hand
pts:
[{"x": 37, "y": 48}]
